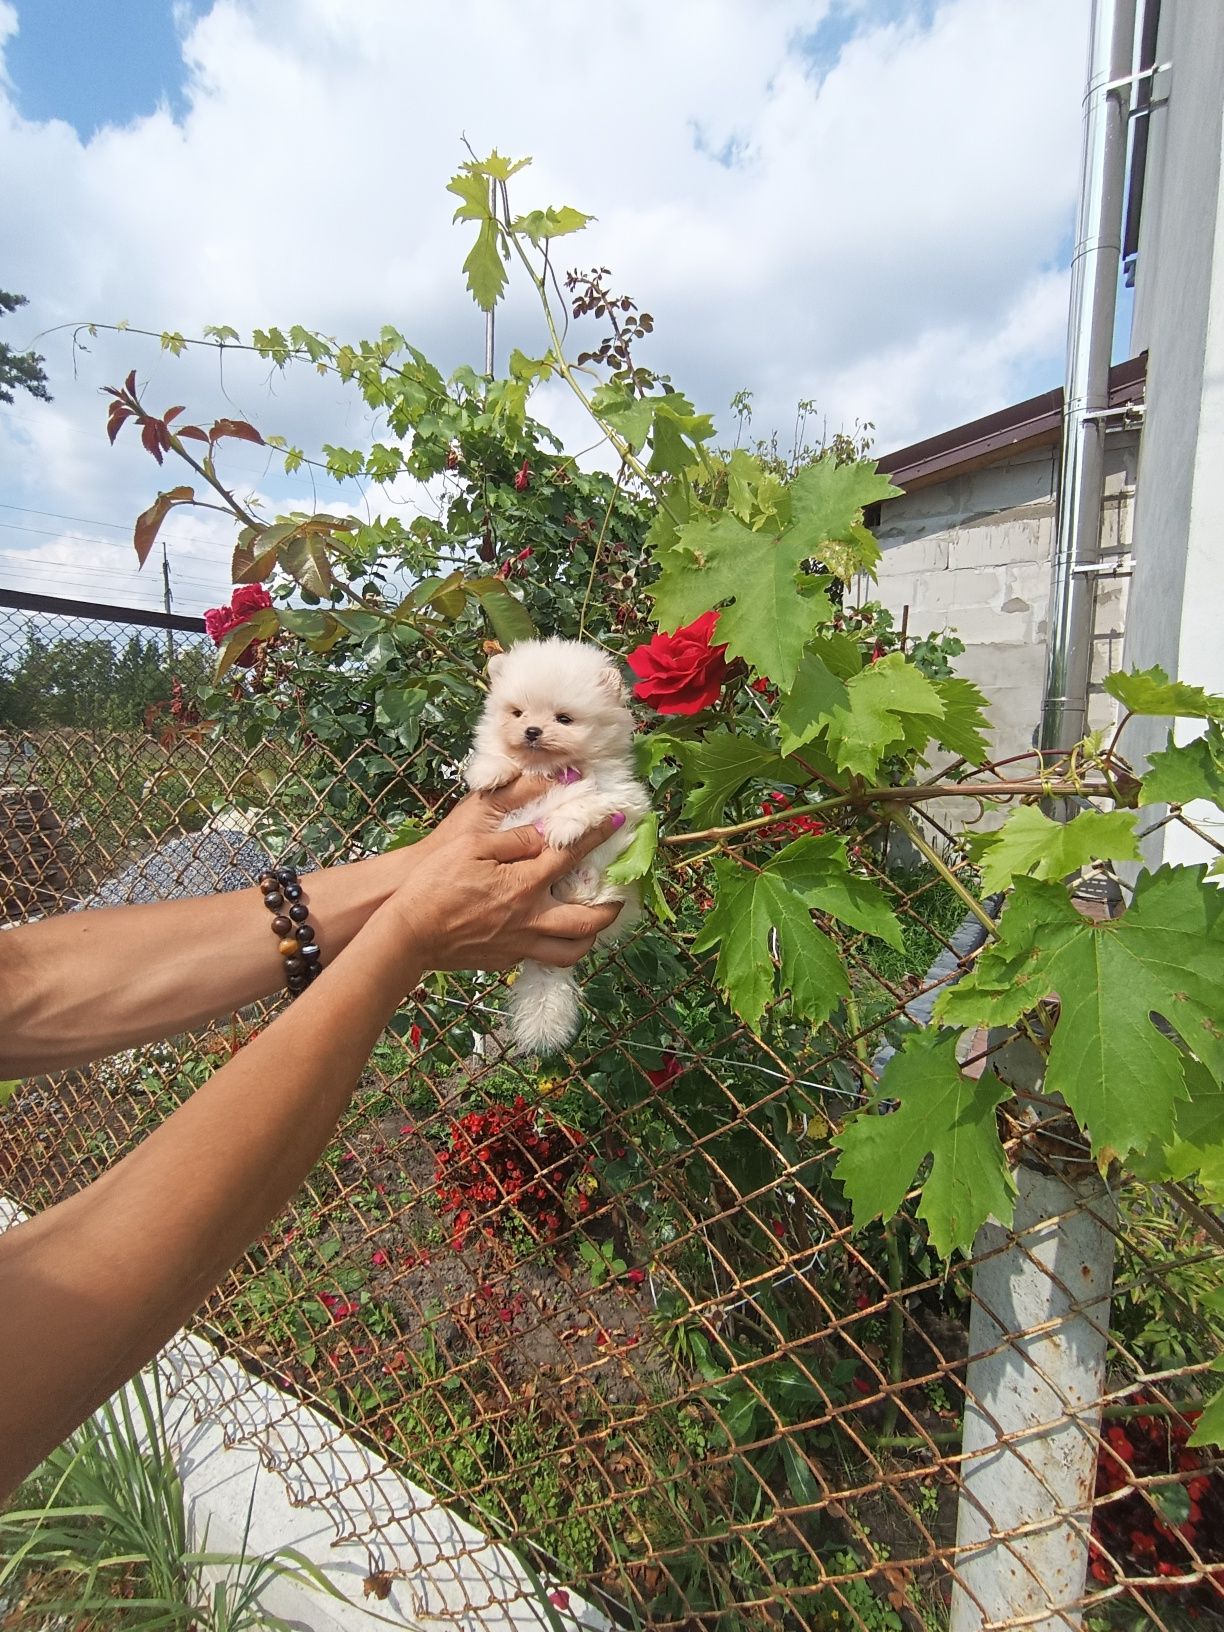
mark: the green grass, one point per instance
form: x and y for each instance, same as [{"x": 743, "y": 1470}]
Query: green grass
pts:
[
  {"x": 934, "y": 913},
  {"x": 98, "y": 1537}
]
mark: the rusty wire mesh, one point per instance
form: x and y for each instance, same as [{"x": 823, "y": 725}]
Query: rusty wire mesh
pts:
[{"x": 611, "y": 1310}]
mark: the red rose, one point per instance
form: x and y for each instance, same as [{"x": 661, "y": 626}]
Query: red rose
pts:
[
  {"x": 681, "y": 673},
  {"x": 218, "y": 621},
  {"x": 221, "y": 621},
  {"x": 248, "y": 599}
]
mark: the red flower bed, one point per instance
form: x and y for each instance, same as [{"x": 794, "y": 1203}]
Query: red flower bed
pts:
[
  {"x": 681, "y": 673},
  {"x": 508, "y": 1159},
  {"x": 1150, "y": 1535}
]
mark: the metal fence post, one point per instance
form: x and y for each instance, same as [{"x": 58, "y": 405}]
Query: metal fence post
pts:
[{"x": 1037, "y": 1344}]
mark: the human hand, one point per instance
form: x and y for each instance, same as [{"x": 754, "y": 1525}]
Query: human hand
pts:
[
  {"x": 480, "y": 898},
  {"x": 478, "y": 815}
]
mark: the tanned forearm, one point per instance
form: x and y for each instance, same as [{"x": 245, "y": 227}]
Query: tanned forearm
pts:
[
  {"x": 84, "y": 985},
  {"x": 92, "y": 1289}
]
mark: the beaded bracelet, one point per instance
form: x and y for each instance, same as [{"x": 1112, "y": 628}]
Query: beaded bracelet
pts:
[{"x": 296, "y": 940}]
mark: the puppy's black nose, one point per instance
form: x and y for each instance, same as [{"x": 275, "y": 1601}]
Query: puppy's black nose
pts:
[{"x": 533, "y": 733}]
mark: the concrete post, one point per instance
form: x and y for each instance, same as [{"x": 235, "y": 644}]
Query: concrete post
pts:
[{"x": 1037, "y": 1341}]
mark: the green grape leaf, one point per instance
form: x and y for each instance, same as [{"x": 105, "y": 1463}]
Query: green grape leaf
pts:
[
  {"x": 1195, "y": 1144},
  {"x": 1185, "y": 771},
  {"x": 629, "y": 416},
  {"x": 944, "y": 1115},
  {"x": 963, "y": 727},
  {"x": 485, "y": 268},
  {"x": 846, "y": 557},
  {"x": 1030, "y": 843},
  {"x": 817, "y": 694},
  {"x": 829, "y": 498},
  {"x": 875, "y": 716},
  {"x": 753, "y": 912},
  {"x": 772, "y": 615},
  {"x": 1165, "y": 955},
  {"x": 717, "y": 766},
  {"x": 1150, "y": 691},
  {"x": 635, "y": 859},
  {"x": 500, "y": 167},
  {"x": 816, "y": 867},
  {"x": 676, "y": 433},
  {"x": 539, "y": 225},
  {"x": 744, "y": 472}
]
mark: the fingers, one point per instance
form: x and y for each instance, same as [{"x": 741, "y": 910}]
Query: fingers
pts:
[
  {"x": 518, "y": 844},
  {"x": 480, "y": 813},
  {"x": 551, "y": 865},
  {"x": 574, "y": 923},
  {"x": 561, "y": 951},
  {"x": 514, "y": 795}
]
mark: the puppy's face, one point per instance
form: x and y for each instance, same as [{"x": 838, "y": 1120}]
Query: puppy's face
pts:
[{"x": 555, "y": 704}]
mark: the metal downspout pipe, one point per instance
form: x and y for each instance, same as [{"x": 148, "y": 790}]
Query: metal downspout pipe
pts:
[
  {"x": 1094, "y": 283},
  {"x": 1041, "y": 1288}
]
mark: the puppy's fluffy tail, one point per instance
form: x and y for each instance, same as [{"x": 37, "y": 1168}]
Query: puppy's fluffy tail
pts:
[{"x": 544, "y": 1012}]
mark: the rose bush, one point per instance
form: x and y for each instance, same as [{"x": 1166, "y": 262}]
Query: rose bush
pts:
[{"x": 681, "y": 673}]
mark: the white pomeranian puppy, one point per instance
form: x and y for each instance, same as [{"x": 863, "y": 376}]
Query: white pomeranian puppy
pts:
[{"x": 557, "y": 710}]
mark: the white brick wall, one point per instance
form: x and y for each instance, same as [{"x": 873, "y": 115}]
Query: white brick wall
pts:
[{"x": 973, "y": 555}]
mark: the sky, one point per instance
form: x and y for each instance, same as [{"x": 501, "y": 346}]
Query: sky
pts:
[{"x": 868, "y": 204}]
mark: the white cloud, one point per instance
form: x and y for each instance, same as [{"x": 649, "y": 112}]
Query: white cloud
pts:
[{"x": 882, "y": 239}]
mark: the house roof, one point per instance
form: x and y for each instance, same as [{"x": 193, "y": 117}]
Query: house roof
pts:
[{"x": 1035, "y": 423}]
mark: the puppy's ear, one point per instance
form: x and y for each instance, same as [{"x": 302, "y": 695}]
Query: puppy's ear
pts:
[
  {"x": 495, "y": 663},
  {"x": 612, "y": 685}
]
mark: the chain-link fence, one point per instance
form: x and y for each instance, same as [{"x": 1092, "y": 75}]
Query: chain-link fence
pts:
[{"x": 611, "y": 1310}]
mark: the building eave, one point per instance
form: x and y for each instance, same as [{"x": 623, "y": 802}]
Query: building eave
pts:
[{"x": 1035, "y": 423}]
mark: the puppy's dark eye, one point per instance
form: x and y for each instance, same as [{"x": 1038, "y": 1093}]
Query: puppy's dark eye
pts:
[
  {"x": 517, "y": 712},
  {"x": 564, "y": 719}
]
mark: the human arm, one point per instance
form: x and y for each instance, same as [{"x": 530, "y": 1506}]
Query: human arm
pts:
[
  {"x": 92, "y": 1287},
  {"x": 85, "y": 984}
]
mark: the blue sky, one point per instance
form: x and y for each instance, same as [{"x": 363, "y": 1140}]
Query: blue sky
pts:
[
  {"x": 96, "y": 62},
  {"x": 847, "y": 201}
]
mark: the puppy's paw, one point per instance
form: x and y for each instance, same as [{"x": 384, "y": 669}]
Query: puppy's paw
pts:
[
  {"x": 566, "y": 826},
  {"x": 484, "y": 772},
  {"x": 580, "y": 886}
]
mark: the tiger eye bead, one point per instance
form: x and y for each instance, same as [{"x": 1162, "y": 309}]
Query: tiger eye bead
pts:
[
  {"x": 288, "y": 947},
  {"x": 274, "y": 900},
  {"x": 281, "y": 926},
  {"x": 299, "y": 913}
]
